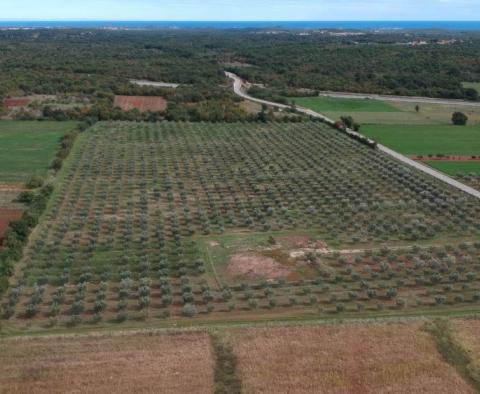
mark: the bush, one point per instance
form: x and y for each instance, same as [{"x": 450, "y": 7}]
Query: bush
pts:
[
  {"x": 189, "y": 310},
  {"x": 459, "y": 119},
  {"x": 31, "y": 310},
  {"x": 26, "y": 197},
  {"x": 34, "y": 182},
  {"x": 122, "y": 316}
]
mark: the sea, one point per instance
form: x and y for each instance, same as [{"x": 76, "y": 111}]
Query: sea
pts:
[{"x": 301, "y": 25}]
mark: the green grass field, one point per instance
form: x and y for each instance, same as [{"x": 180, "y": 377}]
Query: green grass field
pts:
[
  {"x": 344, "y": 105},
  {"x": 456, "y": 167},
  {"x": 474, "y": 85},
  {"x": 427, "y": 139},
  {"x": 26, "y": 148}
]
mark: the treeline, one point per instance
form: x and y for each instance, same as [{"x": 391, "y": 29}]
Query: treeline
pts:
[
  {"x": 36, "y": 200},
  {"x": 432, "y": 70},
  {"x": 101, "y": 64}
]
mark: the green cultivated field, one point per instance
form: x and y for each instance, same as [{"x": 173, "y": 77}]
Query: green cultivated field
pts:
[
  {"x": 456, "y": 167},
  {"x": 26, "y": 148},
  {"x": 346, "y": 105},
  {"x": 427, "y": 139}
]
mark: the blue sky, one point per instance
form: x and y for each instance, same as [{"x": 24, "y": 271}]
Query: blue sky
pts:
[{"x": 242, "y": 9}]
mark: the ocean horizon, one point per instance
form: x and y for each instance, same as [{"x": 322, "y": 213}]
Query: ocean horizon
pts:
[{"x": 360, "y": 25}]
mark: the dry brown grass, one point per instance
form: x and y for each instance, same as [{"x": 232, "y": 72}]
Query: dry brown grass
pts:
[
  {"x": 138, "y": 363},
  {"x": 343, "y": 359}
]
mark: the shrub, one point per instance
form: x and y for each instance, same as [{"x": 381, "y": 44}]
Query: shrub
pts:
[
  {"x": 100, "y": 306},
  {"x": 122, "y": 316},
  {"x": 189, "y": 310},
  {"x": 31, "y": 310},
  {"x": 252, "y": 303},
  {"x": 34, "y": 182},
  {"x": 77, "y": 308},
  {"x": 459, "y": 119},
  {"x": 74, "y": 320}
]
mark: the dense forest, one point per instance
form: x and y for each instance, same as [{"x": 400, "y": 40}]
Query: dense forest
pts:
[{"x": 100, "y": 63}]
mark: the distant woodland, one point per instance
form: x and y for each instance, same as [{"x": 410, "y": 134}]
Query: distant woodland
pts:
[{"x": 100, "y": 63}]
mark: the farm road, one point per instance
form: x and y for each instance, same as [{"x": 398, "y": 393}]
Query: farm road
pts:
[{"x": 238, "y": 89}]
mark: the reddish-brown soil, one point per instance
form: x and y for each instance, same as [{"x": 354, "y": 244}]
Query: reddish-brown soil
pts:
[
  {"x": 7, "y": 216},
  {"x": 11, "y": 103},
  {"x": 447, "y": 158},
  {"x": 303, "y": 242},
  {"x": 251, "y": 266},
  {"x": 142, "y": 103},
  {"x": 297, "y": 241}
]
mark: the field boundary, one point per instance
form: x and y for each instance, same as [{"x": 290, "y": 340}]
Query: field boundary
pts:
[
  {"x": 452, "y": 352},
  {"x": 196, "y": 325},
  {"x": 227, "y": 380}
]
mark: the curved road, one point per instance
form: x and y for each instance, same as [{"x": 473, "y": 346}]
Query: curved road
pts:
[{"x": 238, "y": 89}]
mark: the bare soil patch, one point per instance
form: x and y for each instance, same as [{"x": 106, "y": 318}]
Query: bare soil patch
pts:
[
  {"x": 137, "y": 363},
  {"x": 304, "y": 242},
  {"x": 13, "y": 103},
  {"x": 142, "y": 103},
  {"x": 297, "y": 241},
  {"x": 252, "y": 266},
  {"x": 7, "y": 216},
  {"x": 363, "y": 358}
]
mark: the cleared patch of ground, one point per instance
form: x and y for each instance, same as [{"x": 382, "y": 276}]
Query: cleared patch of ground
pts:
[
  {"x": 252, "y": 266},
  {"x": 139, "y": 363},
  {"x": 19, "y": 102},
  {"x": 366, "y": 358},
  {"x": 144, "y": 82},
  {"x": 9, "y": 209},
  {"x": 6, "y": 216},
  {"x": 142, "y": 103}
]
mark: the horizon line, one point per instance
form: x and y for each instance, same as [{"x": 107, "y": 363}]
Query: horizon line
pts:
[{"x": 231, "y": 20}]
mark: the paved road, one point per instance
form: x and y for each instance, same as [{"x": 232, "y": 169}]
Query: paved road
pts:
[
  {"x": 238, "y": 84},
  {"x": 407, "y": 99},
  {"x": 238, "y": 89}
]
